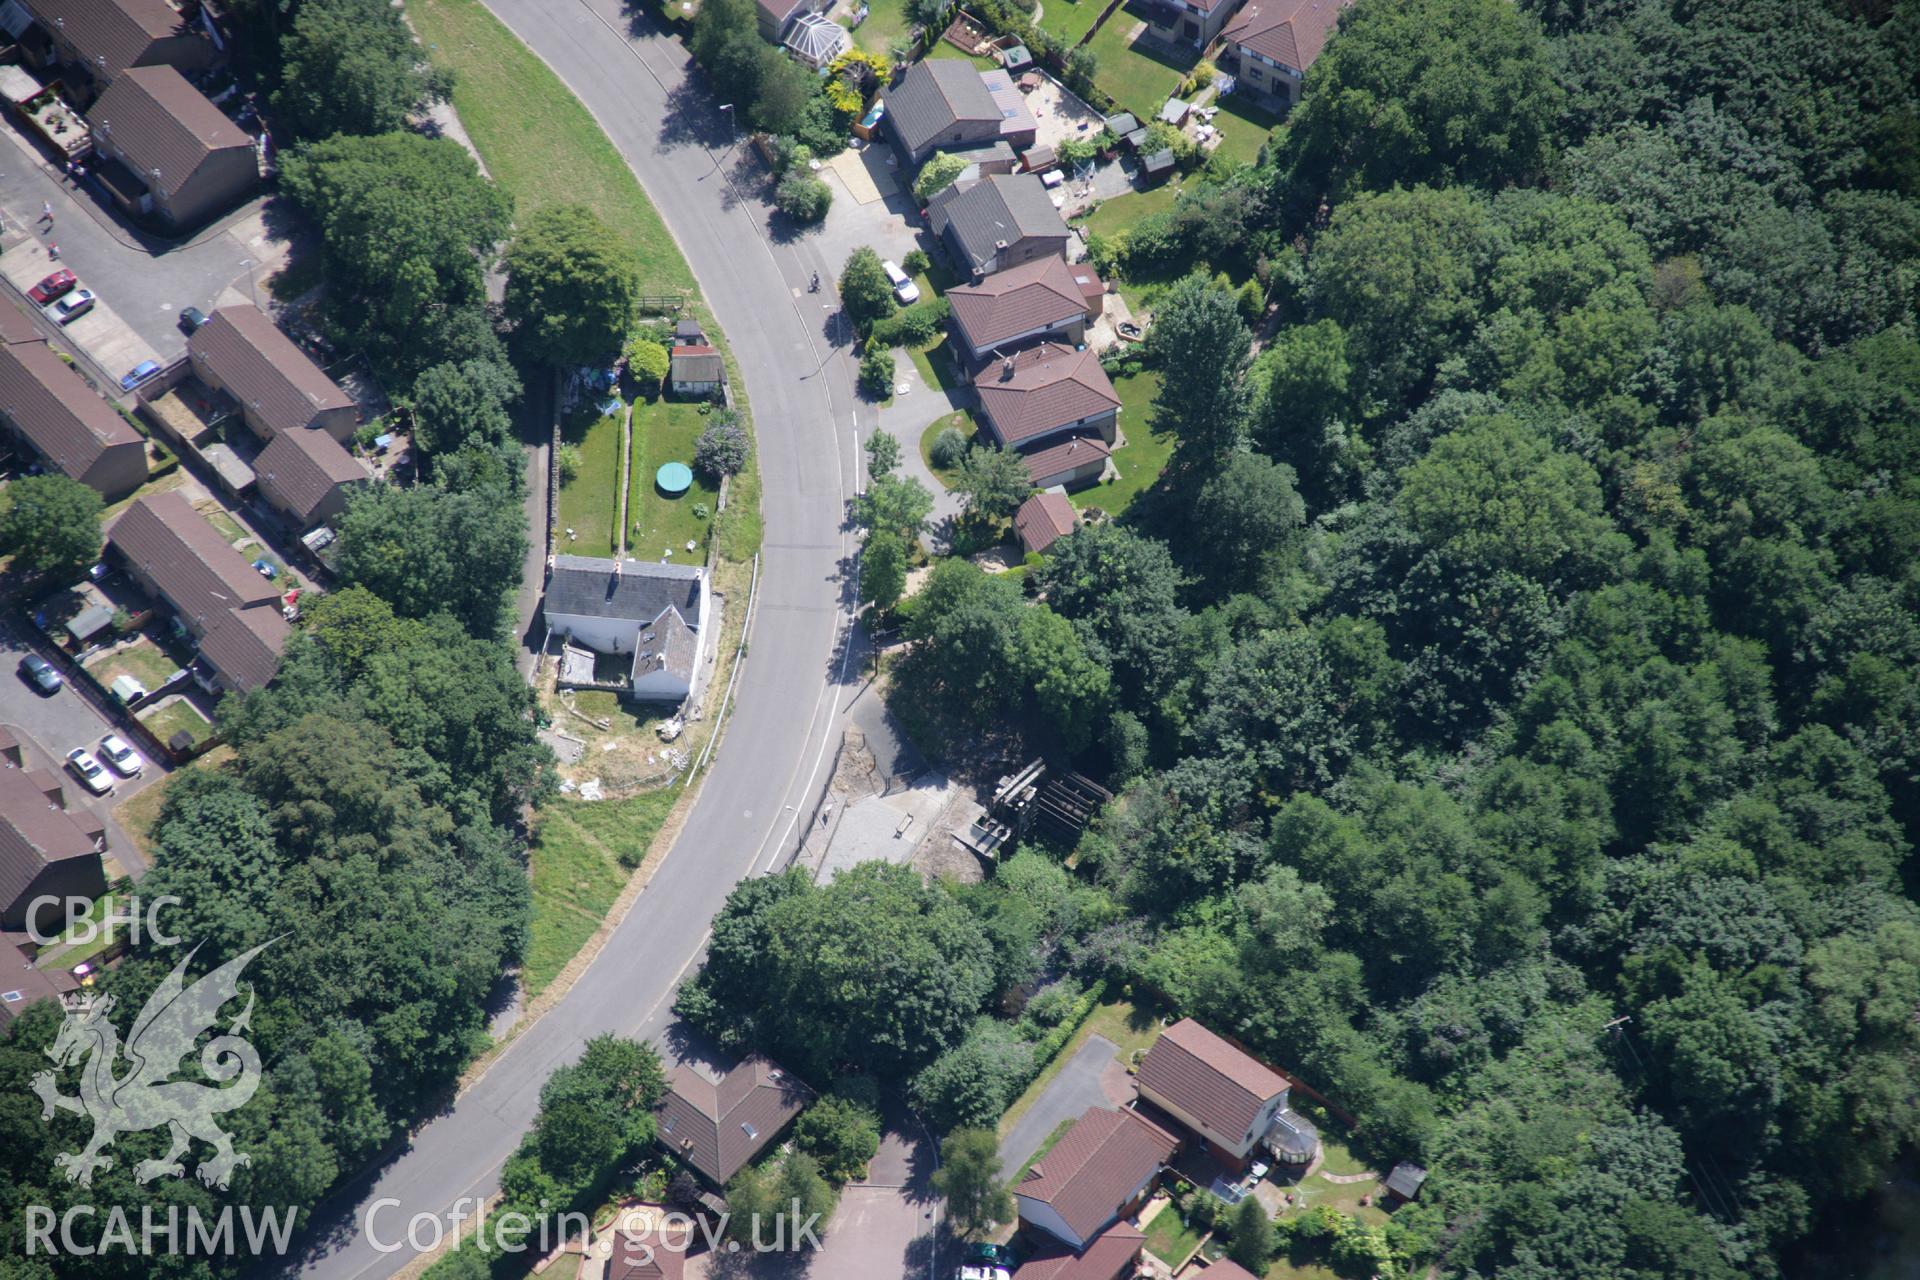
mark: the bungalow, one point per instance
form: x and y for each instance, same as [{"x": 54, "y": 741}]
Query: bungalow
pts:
[
  {"x": 171, "y": 153},
  {"x": 1114, "y": 1254},
  {"x": 997, "y": 222},
  {"x": 47, "y": 850},
  {"x": 105, "y": 37},
  {"x": 1224, "y": 1095},
  {"x": 1037, "y": 301},
  {"x": 1100, "y": 1170},
  {"x": 945, "y": 104},
  {"x": 1188, "y": 22},
  {"x": 1044, "y": 392},
  {"x": 241, "y": 351},
  {"x": 1043, "y": 520},
  {"x": 719, "y": 1121},
  {"x": 696, "y": 369},
  {"x": 307, "y": 475},
  {"x": 655, "y": 612},
  {"x": 218, "y": 599},
  {"x": 1270, "y": 45},
  {"x": 49, "y": 408}
]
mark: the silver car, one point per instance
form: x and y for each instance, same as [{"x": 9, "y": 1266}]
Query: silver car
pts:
[
  {"x": 92, "y": 776},
  {"x": 125, "y": 760}
]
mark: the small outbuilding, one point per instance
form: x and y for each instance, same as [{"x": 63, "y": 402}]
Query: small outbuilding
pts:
[
  {"x": 696, "y": 370},
  {"x": 1405, "y": 1181}
]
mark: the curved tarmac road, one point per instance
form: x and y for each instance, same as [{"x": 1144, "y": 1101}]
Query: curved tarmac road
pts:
[{"x": 769, "y": 770}]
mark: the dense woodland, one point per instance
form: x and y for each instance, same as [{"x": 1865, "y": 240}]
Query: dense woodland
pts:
[{"x": 1524, "y": 639}]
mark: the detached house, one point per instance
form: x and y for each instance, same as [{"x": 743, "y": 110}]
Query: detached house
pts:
[
  {"x": 229, "y": 611},
  {"x": 172, "y": 153},
  {"x": 1044, "y": 393},
  {"x": 241, "y": 351},
  {"x": 997, "y": 222},
  {"x": 1188, "y": 22},
  {"x": 50, "y": 409},
  {"x": 719, "y": 1121},
  {"x": 1100, "y": 1170},
  {"x": 1224, "y": 1095},
  {"x": 1270, "y": 45},
  {"x": 945, "y": 104},
  {"x": 1037, "y": 301},
  {"x": 657, "y": 613}
]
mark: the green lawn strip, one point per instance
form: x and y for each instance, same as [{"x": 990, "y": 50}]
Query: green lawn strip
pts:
[
  {"x": 665, "y": 431},
  {"x": 1129, "y": 1026},
  {"x": 625, "y": 827},
  {"x": 1071, "y": 19},
  {"x": 175, "y": 716},
  {"x": 590, "y": 502},
  {"x": 575, "y": 881},
  {"x": 1243, "y": 127},
  {"x": 1139, "y": 77},
  {"x": 1142, "y": 458},
  {"x": 1114, "y": 216},
  {"x": 945, "y": 50},
  {"x": 1337, "y": 1159},
  {"x": 886, "y": 22},
  {"x": 228, "y": 527},
  {"x": 143, "y": 661},
  {"x": 1169, "y": 1239},
  {"x": 936, "y": 366},
  {"x": 959, "y": 419},
  {"x": 540, "y": 143}
]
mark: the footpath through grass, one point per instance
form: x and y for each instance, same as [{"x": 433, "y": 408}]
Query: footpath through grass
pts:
[{"x": 541, "y": 145}]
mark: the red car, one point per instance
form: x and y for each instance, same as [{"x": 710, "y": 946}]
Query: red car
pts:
[{"x": 52, "y": 287}]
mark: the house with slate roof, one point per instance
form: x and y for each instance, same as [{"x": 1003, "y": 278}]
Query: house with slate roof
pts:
[
  {"x": 47, "y": 850},
  {"x": 998, "y": 221},
  {"x": 50, "y": 408},
  {"x": 945, "y": 104},
  {"x": 241, "y": 351},
  {"x": 654, "y": 614}
]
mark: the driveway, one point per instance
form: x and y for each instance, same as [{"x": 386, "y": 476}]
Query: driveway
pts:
[
  {"x": 1080, "y": 1084},
  {"x": 54, "y": 725},
  {"x": 142, "y": 283}
]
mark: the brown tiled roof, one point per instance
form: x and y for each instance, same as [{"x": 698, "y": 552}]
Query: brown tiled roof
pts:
[
  {"x": 22, "y": 985},
  {"x": 306, "y": 464},
  {"x": 1108, "y": 1256},
  {"x": 657, "y": 1253},
  {"x": 1049, "y": 386},
  {"x": 1227, "y": 1269},
  {"x": 17, "y": 326},
  {"x": 1096, "y": 1165},
  {"x": 1208, "y": 1078},
  {"x": 55, "y": 408},
  {"x": 1069, "y": 453},
  {"x": 263, "y": 369},
  {"x": 111, "y": 35},
  {"x": 34, "y": 833},
  {"x": 1033, "y": 295},
  {"x": 717, "y": 1126},
  {"x": 1291, "y": 32},
  {"x": 158, "y": 121},
  {"x": 1042, "y": 520},
  {"x": 201, "y": 576}
]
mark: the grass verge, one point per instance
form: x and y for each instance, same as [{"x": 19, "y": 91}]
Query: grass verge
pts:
[
  {"x": 531, "y": 129},
  {"x": 581, "y": 857}
]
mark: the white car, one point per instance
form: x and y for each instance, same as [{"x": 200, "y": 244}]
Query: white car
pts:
[
  {"x": 903, "y": 286},
  {"x": 88, "y": 770},
  {"x": 125, "y": 760}
]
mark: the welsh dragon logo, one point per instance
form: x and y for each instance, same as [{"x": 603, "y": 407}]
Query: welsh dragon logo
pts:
[{"x": 144, "y": 1096}]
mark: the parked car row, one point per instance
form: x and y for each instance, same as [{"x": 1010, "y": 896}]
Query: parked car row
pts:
[
  {"x": 61, "y": 298},
  {"x": 93, "y": 775}
]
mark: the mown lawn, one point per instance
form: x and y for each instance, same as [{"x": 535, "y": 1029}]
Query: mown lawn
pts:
[
  {"x": 1142, "y": 458},
  {"x": 936, "y": 365},
  {"x": 143, "y": 660},
  {"x": 664, "y": 431},
  {"x": 590, "y": 502},
  {"x": 886, "y": 22},
  {"x": 582, "y": 854},
  {"x": 1114, "y": 216},
  {"x": 540, "y": 143},
  {"x": 960, "y": 420},
  {"x": 1140, "y": 77},
  {"x": 175, "y": 716},
  {"x": 1169, "y": 1239},
  {"x": 1071, "y": 19},
  {"x": 1243, "y": 128}
]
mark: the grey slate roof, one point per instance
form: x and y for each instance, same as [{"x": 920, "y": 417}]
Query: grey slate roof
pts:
[
  {"x": 933, "y": 97},
  {"x": 588, "y": 587},
  {"x": 1004, "y": 208}
]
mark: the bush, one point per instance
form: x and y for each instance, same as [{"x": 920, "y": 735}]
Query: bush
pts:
[
  {"x": 803, "y": 197},
  {"x": 1083, "y": 67},
  {"x": 948, "y": 448},
  {"x": 567, "y": 460},
  {"x": 724, "y": 447},
  {"x": 916, "y": 262},
  {"x": 1252, "y": 300},
  {"x": 842, "y": 1134},
  {"x": 937, "y": 174},
  {"x": 1203, "y": 75},
  {"x": 647, "y": 364},
  {"x": 913, "y": 326},
  {"x": 972, "y": 1083},
  {"x": 876, "y": 372}
]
